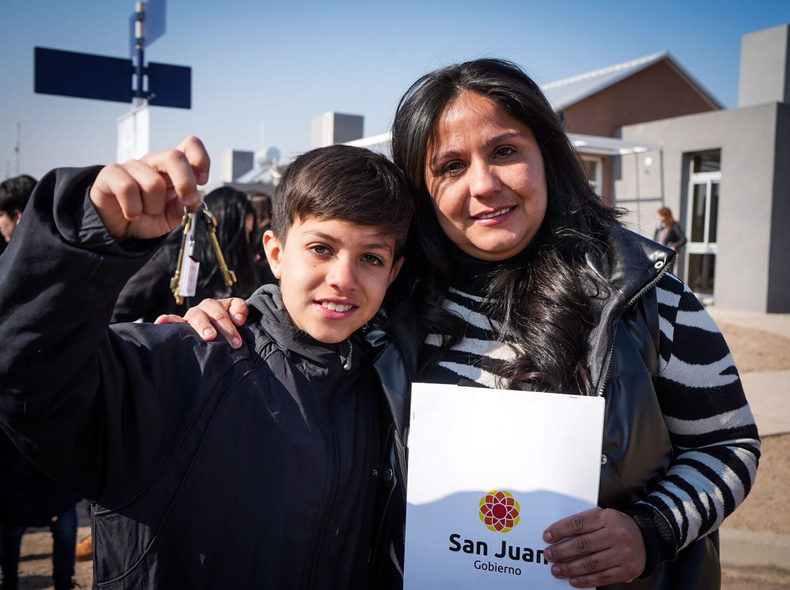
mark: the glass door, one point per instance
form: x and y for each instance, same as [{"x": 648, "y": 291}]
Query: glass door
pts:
[{"x": 702, "y": 219}]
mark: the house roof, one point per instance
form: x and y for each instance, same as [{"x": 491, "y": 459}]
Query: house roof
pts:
[{"x": 564, "y": 93}]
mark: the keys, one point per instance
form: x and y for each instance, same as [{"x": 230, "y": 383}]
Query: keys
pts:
[
  {"x": 211, "y": 223},
  {"x": 184, "y": 281},
  {"x": 176, "y": 281}
]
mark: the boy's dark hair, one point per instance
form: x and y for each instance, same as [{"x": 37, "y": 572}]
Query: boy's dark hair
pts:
[
  {"x": 348, "y": 183},
  {"x": 15, "y": 193}
]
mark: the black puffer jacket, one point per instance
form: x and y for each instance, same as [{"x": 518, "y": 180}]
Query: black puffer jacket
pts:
[
  {"x": 209, "y": 467},
  {"x": 623, "y": 361},
  {"x": 28, "y": 497}
]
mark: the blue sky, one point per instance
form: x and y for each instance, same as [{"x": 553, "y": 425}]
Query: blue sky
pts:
[{"x": 285, "y": 63}]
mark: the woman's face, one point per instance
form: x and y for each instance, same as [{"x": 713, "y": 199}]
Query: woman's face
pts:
[{"x": 486, "y": 177}]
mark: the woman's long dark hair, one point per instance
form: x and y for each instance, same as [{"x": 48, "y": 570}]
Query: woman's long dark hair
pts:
[
  {"x": 546, "y": 305},
  {"x": 231, "y": 208}
]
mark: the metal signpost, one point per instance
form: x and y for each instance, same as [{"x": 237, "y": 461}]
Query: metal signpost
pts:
[{"x": 83, "y": 75}]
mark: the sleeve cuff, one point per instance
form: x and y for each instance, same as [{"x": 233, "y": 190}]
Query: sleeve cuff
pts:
[
  {"x": 660, "y": 544},
  {"x": 93, "y": 234}
]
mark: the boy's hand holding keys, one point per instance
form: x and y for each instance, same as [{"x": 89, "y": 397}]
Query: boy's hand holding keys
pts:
[{"x": 145, "y": 198}]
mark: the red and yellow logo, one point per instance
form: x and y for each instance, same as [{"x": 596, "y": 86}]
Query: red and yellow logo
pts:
[{"x": 499, "y": 511}]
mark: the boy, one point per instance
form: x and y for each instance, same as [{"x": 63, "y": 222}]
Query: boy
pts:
[{"x": 210, "y": 467}]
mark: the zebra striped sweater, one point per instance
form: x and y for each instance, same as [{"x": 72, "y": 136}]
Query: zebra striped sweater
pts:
[{"x": 699, "y": 391}]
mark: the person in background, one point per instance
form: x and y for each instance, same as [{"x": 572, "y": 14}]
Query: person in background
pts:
[
  {"x": 669, "y": 232},
  {"x": 262, "y": 203},
  {"x": 14, "y": 194},
  {"x": 28, "y": 497},
  {"x": 235, "y": 217}
]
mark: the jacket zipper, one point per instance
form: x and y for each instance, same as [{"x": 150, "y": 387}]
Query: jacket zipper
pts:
[
  {"x": 325, "y": 518},
  {"x": 398, "y": 444},
  {"x": 629, "y": 305}
]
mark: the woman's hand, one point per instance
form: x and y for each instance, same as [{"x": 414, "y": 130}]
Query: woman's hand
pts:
[
  {"x": 212, "y": 316},
  {"x": 595, "y": 548},
  {"x": 145, "y": 198}
]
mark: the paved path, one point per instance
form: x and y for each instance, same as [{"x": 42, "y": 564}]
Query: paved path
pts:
[
  {"x": 769, "y": 396},
  {"x": 768, "y": 391}
]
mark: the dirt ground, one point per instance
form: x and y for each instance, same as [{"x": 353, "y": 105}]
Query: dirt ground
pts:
[
  {"x": 766, "y": 509},
  {"x": 768, "y": 506},
  {"x": 756, "y": 350}
]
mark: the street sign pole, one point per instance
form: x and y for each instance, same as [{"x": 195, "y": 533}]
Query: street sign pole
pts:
[
  {"x": 139, "y": 32},
  {"x": 134, "y": 128}
]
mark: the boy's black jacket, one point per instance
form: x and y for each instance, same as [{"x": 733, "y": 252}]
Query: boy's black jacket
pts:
[{"x": 209, "y": 467}]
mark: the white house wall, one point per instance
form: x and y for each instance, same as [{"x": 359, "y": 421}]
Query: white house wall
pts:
[{"x": 747, "y": 138}]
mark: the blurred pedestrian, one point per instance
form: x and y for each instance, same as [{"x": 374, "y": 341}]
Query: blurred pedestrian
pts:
[
  {"x": 262, "y": 204},
  {"x": 669, "y": 232},
  {"x": 235, "y": 220},
  {"x": 14, "y": 195}
]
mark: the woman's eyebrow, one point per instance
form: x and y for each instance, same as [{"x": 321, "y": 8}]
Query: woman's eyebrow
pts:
[
  {"x": 438, "y": 157},
  {"x": 504, "y": 137}
]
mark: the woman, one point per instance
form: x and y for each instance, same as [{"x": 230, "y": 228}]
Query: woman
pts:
[
  {"x": 669, "y": 232},
  {"x": 235, "y": 220},
  {"x": 521, "y": 278}
]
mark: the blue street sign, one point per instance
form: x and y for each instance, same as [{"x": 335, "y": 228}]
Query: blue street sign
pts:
[
  {"x": 169, "y": 86},
  {"x": 82, "y": 75}
]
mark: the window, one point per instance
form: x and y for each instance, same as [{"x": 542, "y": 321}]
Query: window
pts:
[{"x": 592, "y": 168}]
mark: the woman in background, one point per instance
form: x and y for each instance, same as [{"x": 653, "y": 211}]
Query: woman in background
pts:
[
  {"x": 235, "y": 218},
  {"x": 669, "y": 232}
]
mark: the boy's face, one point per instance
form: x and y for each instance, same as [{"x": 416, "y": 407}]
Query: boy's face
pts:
[{"x": 333, "y": 274}]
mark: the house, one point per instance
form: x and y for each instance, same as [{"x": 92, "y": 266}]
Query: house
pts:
[{"x": 726, "y": 175}]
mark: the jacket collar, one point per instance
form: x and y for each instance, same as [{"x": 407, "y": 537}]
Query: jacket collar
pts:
[
  {"x": 630, "y": 266},
  {"x": 267, "y": 309}
]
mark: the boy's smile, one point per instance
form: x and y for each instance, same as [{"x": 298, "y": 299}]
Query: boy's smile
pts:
[{"x": 333, "y": 274}]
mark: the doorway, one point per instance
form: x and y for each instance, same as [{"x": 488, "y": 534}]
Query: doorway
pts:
[{"x": 702, "y": 216}]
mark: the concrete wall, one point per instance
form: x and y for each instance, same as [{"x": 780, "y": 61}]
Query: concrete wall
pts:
[
  {"x": 234, "y": 163},
  {"x": 765, "y": 67},
  {"x": 748, "y": 251},
  {"x": 639, "y": 188},
  {"x": 779, "y": 260},
  {"x": 331, "y": 128}
]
